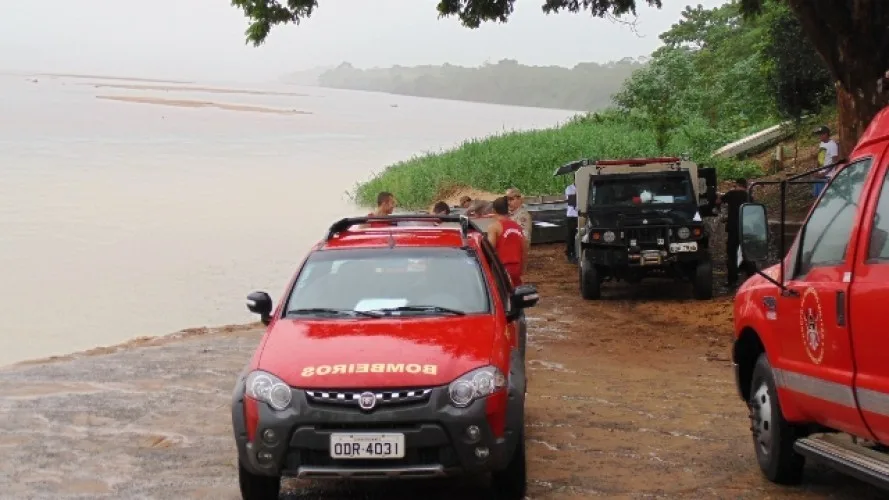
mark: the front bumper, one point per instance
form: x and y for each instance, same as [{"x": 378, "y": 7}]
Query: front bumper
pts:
[
  {"x": 435, "y": 439},
  {"x": 621, "y": 256}
]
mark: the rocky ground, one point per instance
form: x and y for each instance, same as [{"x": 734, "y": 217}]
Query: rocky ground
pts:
[{"x": 629, "y": 397}]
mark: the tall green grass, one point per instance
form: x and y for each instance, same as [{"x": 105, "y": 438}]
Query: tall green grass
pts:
[{"x": 527, "y": 160}]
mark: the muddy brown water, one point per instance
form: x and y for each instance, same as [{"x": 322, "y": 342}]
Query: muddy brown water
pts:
[{"x": 630, "y": 397}]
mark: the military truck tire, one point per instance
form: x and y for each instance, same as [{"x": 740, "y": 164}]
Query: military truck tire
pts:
[
  {"x": 590, "y": 286},
  {"x": 703, "y": 280},
  {"x": 254, "y": 487},
  {"x": 511, "y": 483},
  {"x": 773, "y": 437}
]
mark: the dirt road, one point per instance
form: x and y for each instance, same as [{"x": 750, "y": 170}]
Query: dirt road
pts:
[{"x": 629, "y": 397}]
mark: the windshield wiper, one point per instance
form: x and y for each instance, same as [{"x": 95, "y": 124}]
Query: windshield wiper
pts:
[
  {"x": 437, "y": 309},
  {"x": 327, "y": 310}
]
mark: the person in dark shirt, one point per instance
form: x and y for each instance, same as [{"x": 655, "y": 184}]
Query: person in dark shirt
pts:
[
  {"x": 441, "y": 208},
  {"x": 734, "y": 198}
]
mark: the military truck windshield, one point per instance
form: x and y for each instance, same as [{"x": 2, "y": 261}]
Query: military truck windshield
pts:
[{"x": 641, "y": 190}]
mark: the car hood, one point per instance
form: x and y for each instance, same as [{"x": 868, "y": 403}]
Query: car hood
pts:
[
  {"x": 377, "y": 353},
  {"x": 633, "y": 216}
]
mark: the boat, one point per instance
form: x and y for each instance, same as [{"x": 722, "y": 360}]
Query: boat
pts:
[{"x": 547, "y": 212}]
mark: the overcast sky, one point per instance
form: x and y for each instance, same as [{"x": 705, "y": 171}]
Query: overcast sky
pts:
[{"x": 204, "y": 39}]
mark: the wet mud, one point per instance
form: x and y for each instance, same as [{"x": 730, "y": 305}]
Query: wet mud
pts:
[{"x": 629, "y": 397}]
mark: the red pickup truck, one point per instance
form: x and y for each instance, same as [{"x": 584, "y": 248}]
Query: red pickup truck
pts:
[{"x": 811, "y": 349}]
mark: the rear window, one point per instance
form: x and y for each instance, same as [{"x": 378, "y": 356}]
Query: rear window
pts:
[{"x": 374, "y": 279}]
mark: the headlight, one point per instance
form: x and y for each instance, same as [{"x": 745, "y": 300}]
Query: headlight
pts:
[
  {"x": 683, "y": 233},
  {"x": 269, "y": 389},
  {"x": 608, "y": 237},
  {"x": 475, "y": 385}
]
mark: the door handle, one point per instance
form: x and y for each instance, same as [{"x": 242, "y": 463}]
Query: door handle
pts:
[{"x": 841, "y": 308}]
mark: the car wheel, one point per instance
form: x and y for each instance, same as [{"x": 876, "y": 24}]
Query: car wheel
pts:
[
  {"x": 511, "y": 483},
  {"x": 703, "y": 280},
  {"x": 255, "y": 487},
  {"x": 773, "y": 437},
  {"x": 590, "y": 286}
]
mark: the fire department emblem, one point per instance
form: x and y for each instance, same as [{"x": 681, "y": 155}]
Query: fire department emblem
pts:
[
  {"x": 367, "y": 401},
  {"x": 812, "y": 325}
]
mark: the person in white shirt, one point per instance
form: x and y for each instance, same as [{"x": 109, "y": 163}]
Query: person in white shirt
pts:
[
  {"x": 828, "y": 153},
  {"x": 571, "y": 223}
]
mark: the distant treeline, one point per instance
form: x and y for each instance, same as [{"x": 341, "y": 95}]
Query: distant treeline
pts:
[{"x": 585, "y": 87}]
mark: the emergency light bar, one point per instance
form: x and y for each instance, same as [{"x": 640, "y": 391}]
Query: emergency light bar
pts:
[{"x": 576, "y": 165}]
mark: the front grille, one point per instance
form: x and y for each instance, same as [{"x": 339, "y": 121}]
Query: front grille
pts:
[
  {"x": 383, "y": 397},
  {"x": 646, "y": 235}
]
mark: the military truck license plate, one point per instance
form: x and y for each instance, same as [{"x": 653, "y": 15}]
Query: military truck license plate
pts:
[
  {"x": 365, "y": 446},
  {"x": 691, "y": 246}
]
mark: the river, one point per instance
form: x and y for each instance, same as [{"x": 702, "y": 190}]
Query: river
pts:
[{"x": 123, "y": 219}]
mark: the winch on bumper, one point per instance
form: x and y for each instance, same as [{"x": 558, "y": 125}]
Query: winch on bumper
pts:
[
  {"x": 435, "y": 438},
  {"x": 649, "y": 246}
]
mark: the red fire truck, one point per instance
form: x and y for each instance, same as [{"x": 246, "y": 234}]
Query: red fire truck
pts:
[{"x": 811, "y": 351}]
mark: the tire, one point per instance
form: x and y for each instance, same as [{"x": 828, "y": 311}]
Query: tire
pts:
[
  {"x": 773, "y": 437},
  {"x": 511, "y": 483},
  {"x": 703, "y": 280},
  {"x": 254, "y": 487},
  {"x": 590, "y": 286}
]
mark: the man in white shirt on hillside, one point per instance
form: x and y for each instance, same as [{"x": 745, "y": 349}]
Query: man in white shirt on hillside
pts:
[
  {"x": 571, "y": 223},
  {"x": 828, "y": 153}
]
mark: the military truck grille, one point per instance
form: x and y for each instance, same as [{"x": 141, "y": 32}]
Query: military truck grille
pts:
[
  {"x": 645, "y": 235},
  {"x": 387, "y": 397}
]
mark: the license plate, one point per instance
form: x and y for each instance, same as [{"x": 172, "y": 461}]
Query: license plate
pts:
[
  {"x": 691, "y": 246},
  {"x": 364, "y": 445}
]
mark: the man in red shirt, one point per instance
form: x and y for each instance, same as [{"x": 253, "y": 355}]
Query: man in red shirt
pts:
[
  {"x": 506, "y": 236},
  {"x": 386, "y": 204}
]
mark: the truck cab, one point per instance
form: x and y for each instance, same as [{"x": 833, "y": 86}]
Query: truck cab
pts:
[
  {"x": 643, "y": 217},
  {"x": 810, "y": 350}
]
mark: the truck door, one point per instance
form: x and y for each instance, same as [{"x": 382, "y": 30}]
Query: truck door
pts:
[
  {"x": 869, "y": 299},
  {"x": 816, "y": 367}
]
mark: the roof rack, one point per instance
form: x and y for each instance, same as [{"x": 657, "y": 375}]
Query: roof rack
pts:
[{"x": 345, "y": 223}]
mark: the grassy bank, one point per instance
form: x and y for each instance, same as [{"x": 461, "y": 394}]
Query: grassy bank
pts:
[{"x": 527, "y": 159}]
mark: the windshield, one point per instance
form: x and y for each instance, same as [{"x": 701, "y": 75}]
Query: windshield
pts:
[
  {"x": 673, "y": 188},
  {"x": 404, "y": 281}
]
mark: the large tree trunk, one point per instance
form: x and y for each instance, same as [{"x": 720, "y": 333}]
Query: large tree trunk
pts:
[{"x": 853, "y": 38}]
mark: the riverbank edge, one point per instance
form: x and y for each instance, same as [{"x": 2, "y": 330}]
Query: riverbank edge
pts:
[{"x": 138, "y": 343}]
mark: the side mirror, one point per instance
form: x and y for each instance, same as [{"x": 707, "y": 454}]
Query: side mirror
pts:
[
  {"x": 754, "y": 232},
  {"x": 525, "y": 296},
  {"x": 260, "y": 303}
]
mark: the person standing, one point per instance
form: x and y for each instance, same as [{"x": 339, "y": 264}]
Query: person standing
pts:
[
  {"x": 828, "y": 153},
  {"x": 522, "y": 216},
  {"x": 386, "y": 204},
  {"x": 734, "y": 198},
  {"x": 506, "y": 236},
  {"x": 571, "y": 223}
]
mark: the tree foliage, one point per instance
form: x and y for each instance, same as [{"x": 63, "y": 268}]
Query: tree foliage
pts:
[
  {"x": 264, "y": 14},
  {"x": 585, "y": 87},
  {"x": 709, "y": 80},
  {"x": 796, "y": 74}
]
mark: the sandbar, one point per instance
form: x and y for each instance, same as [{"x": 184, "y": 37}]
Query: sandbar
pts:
[
  {"x": 104, "y": 77},
  {"x": 214, "y": 90},
  {"x": 188, "y": 103}
]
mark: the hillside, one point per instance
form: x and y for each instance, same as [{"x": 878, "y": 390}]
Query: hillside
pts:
[
  {"x": 585, "y": 87},
  {"x": 718, "y": 78}
]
